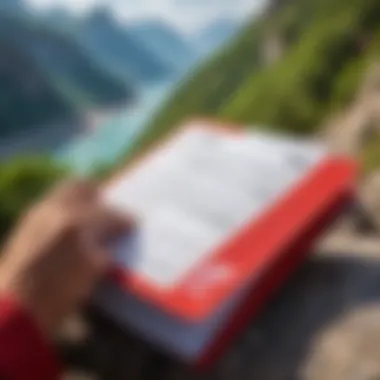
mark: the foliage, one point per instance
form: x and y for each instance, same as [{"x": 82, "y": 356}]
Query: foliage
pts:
[
  {"x": 327, "y": 48},
  {"x": 22, "y": 181},
  {"x": 371, "y": 154},
  {"x": 294, "y": 93},
  {"x": 208, "y": 88}
]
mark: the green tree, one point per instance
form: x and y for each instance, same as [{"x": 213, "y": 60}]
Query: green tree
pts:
[
  {"x": 327, "y": 48},
  {"x": 22, "y": 181}
]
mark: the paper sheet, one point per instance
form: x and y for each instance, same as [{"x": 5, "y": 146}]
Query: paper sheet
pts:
[{"x": 198, "y": 191}]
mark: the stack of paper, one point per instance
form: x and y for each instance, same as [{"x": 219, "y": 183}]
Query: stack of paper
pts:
[{"x": 216, "y": 210}]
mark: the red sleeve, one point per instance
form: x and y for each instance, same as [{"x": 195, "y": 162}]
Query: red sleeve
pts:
[{"x": 25, "y": 354}]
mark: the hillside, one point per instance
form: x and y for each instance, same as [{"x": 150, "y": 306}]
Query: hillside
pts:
[
  {"x": 74, "y": 73},
  {"x": 165, "y": 42},
  {"x": 325, "y": 48},
  {"x": 118, "y": 49},
  {"x": 209, "y": 86},
  {"x": 26, "y": 96}
]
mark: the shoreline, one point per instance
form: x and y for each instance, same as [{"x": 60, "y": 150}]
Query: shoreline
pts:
[
  {"x": 43, "y": 140},
  {"x": 95, "y": 118}
]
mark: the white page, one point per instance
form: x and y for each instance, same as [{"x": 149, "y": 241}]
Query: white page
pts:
[{"x": 200, "y": 190}]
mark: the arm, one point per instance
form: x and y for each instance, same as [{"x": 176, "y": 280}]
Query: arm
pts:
[
  {"x": 24, "y": 351},
  {"x": 48, "y": 268}
]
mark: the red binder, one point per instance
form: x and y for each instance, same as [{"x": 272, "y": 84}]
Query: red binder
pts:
[{"x": 224, "y": 220}]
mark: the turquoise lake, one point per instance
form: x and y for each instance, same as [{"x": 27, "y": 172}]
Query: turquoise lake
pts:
[{"x": 113, "y": 138}]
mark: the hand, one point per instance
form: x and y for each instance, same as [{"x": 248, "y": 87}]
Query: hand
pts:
[{"x": 58, "y": 252}]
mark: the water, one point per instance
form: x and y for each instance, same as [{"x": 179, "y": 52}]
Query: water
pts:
[{"x": 112, "y": 139}]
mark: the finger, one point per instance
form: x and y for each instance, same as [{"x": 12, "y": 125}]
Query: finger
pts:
[
  {"x": 96, "y": 258},
  {"x": 99, "y": 262},
  {"x": 75, "y": 191},
  {"x": 84, "y": 257},
  {"x": 110, "y": 224},
  {"x": 96, "y": 227}
]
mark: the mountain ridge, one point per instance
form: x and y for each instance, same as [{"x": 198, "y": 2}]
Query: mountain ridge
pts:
[
  {"x": 166, "y": 42},
  {"x": 71, "y": 75},
  {"x": 326, "y": 47},
  {"x": 117, "y": 48},
  {"x": 215, "y": 34}
]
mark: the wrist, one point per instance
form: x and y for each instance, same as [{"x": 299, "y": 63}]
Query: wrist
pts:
[{"x": 15, "y": 289}]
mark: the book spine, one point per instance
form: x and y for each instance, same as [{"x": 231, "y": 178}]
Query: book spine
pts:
[{"x": 272, "y": 280}]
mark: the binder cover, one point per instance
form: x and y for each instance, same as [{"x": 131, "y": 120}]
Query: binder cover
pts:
[{"x": 224, "y": 217}]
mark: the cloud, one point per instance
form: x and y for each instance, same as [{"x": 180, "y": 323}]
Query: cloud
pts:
[
  {"x": 75, "y": 5},
  {"x": 187, "y": 15}
]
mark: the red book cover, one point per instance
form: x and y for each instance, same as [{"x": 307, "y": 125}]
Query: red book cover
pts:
[{"x": 224, "y": 217}]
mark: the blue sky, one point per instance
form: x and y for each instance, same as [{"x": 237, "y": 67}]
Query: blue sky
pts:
[{"x": 188, "y": 15}]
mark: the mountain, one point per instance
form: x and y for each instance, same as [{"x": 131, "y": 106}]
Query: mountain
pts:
[
  {"x": 288, "y": 68},
  {"x": 119, "y": 49},
  {"x": 52, "y": 78},
  {"x": 27, "y": 97},
  {"x": 215, "y": 35},
  {"x": 74, "y": 72},
  {"x": 166, "y": 42},
  {"x": 15, "y": 6},
  {"x": 60, "y": 17}
]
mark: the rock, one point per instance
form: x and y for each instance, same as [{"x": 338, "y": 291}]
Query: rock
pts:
[
  {"x": 370, "y": 198},
  {"x": 272, "y": 48},
  {"x": 349, "y": 349},
  {"x": 371, "y": 83},
  {"x": 349, "y": 131}
]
